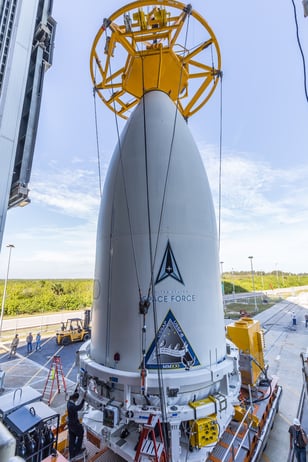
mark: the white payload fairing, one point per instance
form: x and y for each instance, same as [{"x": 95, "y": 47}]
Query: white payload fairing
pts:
[
  {"x": 158, "y": 350},
  {"x": 157, "y": 238}
]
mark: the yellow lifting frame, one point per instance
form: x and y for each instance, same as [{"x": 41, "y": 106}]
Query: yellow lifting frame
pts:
[{"x": 151, "y": 57}]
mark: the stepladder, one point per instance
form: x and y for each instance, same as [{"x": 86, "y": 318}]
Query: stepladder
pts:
[
  {"x": 55, "y": 374},
  {"x": 151, "y": 447}
]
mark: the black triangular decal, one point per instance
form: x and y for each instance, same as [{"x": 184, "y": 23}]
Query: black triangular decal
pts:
[
  {"x": 170, "y": 349},
  {"x": 168, "y": 267}
]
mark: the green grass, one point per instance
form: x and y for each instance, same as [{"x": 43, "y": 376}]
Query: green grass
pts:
[
  {"x": 242, "y": 281},
  {"x": 236, "y": 310}
]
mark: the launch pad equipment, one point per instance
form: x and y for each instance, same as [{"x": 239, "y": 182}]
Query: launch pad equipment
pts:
[
  {"x": 74, "y": 330},
  {"x": 33, "y": 424},
  {"x": 243, "y": 439}
]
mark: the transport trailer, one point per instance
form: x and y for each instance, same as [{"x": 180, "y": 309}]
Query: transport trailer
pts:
[{"x": 137, "y": 432}]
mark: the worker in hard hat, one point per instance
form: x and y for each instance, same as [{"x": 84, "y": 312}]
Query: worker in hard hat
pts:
[{"x": 298, "y": 440}]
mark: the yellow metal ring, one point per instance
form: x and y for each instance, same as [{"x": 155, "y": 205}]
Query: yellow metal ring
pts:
[{"x": 136, "y": 51}]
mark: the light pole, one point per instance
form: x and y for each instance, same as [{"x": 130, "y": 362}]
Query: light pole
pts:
[
  {"x": 233, "y": 287},
  {"x": 253, "y": 282},
  {"x": 262, "y": 279},
  {"x": 10, "y": 246},
  {"x": 277, "y": 276}
]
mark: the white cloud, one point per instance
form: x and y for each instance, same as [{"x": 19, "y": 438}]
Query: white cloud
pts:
[
  {"x": 263, "y": 214},
  {"x": 53, "y": 251},
  {"x": 263, "y": 211},
  {"x": 73, "y": 192},
  {"x": 255, "y": 188}
]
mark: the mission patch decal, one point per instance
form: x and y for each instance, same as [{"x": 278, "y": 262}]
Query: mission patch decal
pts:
[{"x": 170, "y": 349}]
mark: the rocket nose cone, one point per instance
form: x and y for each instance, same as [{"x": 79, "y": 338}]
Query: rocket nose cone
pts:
[{"x": 157, "y": 224}]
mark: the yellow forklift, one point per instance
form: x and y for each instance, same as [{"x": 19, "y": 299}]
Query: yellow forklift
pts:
[{"x": 75, "y": 330}]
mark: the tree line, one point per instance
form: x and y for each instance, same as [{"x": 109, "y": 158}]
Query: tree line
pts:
[{"x": 53, "y": 295}]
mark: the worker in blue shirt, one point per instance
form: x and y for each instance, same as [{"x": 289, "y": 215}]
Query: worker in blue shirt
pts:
[{"x": 38, "y": 341}]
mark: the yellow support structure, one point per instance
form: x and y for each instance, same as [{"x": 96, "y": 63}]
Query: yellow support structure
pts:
[
  {"x": 137, "y": 50},
  {"x": 247, "y": 335}
]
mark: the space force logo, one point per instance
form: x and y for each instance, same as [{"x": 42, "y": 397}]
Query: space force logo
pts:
[{"x": 168, "y": 267}]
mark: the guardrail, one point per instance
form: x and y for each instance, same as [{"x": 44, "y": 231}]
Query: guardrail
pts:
[{"x": 37, "y": 323}]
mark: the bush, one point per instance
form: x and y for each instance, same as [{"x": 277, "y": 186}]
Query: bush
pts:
[{"x": 37, "y": 296}]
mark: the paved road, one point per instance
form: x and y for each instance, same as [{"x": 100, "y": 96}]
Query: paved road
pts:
[
  {"x": 43, "y": 357},
  {"x": 283, "y": 345},
  {"x": 33, "y": 369}
]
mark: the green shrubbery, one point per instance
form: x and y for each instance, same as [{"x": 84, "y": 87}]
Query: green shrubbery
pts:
[{"x": 37, "y": 296}]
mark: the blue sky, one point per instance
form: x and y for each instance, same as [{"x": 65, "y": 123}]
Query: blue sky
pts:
[{"x": 264, "y": 150}]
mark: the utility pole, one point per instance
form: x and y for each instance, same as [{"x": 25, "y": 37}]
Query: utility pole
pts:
[
  {"x": 10, "y": 246},
  {"x": 253, "y": 283},
  {"x": 233, "y": 286}
]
